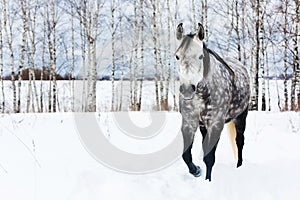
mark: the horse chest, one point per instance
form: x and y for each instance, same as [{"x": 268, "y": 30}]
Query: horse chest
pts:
[{"x": 213, "y": 102}]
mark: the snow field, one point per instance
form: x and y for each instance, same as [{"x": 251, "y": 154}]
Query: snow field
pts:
[{"x": 42, "y": 157}]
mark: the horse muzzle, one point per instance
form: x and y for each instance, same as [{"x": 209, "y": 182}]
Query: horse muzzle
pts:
[{"x": 187, "y": 91}]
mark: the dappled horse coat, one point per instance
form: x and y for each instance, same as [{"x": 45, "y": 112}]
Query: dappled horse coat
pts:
[{"x": 213, "y": 92}]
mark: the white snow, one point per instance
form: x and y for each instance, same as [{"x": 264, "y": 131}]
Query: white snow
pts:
[{"x": 42, "y": 157}]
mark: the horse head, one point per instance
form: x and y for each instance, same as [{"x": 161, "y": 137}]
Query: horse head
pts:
[{"x": 193, "y": 60}]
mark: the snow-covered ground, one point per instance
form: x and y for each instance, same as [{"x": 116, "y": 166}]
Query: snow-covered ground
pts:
[{"x": 42, "y": 157}]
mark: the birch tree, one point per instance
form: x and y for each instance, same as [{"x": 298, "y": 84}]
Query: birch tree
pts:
[
  {"x": 32, "y": 37},
  {"x": 41, "y": 100},
  {"x": 175, "y": 107},
  {"x": 230, "y": 20},
  {"x": 142, "y": 53},
  {"x": 122, "y": 58},
  {"x": 113, "y": 55},
  {"x": 23, "y": 50},
  {"x": 81, "y": 11},
  {"x": 261, "y": 7},
  {"x": 285, "y": 56},
  {"x": 244, "y": 24},
  {"x": 135, "y": 60},
  {"x": 1, "y": 67},
  {"x": 159, "y": 55},
  {"x": 296, "y": 50},
  {"x": 169, "y": 53},
  {"x": 154, "y": 37},
  {"x": 7, "y": 24},
  {"x": 204, "y": 18},
  {"x": 73, "y": 58},
  {"x": 90, "y": 23},
  {"x": 255, "y": 68},
  {"x": 51, "y": 37},
  {"x": 237, "y": 30},
  {"x": 53, "y": 50},
  {"x": 193, "y": 13},
  {"x": 295, "y": 91}
]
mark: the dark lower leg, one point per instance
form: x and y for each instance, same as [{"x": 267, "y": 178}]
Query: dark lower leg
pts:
[
  {"x": 209, "y": 161},
  {"x": 240, "y": 144},
  {"x": 240, "y": 125},
  {"x": 187, "y": 157}
]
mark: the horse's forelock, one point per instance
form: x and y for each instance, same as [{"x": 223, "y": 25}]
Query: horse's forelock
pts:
[{"x": 185, "y": 43}]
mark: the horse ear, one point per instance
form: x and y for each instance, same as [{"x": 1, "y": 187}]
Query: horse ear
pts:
[
  {"x": 179, "y": 32},
  {"x": 200, "y": 33}
]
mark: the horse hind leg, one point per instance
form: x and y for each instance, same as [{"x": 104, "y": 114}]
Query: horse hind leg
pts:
[{"x": 240, "y": 125}]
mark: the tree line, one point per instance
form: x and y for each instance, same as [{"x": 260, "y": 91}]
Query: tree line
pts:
[{"x": 79, "y": 39}]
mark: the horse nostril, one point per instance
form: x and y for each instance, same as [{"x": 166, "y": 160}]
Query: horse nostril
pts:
[
  {"x": 193, "y": 87},
  {"x": 177, "y": 57},
  {"x": 181, "y": 89}
]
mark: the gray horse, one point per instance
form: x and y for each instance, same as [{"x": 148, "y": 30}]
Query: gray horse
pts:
[{"x": 212, "y": 92}]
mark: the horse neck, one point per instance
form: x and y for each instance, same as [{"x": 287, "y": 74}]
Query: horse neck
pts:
[{"x": 209, "y": 64}]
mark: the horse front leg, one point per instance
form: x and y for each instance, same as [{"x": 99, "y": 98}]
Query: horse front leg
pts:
[
  {"x": 210, "y": 139},
  {"x": 188, "y": 130}
]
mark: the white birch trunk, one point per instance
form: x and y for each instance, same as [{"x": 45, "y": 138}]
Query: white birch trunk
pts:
[
  {"x": 92, "y": 31},
  {"x": 261, "y": 8},
  {"x": 175, "y": 107},
  {"x": 255, "y": 68},
  {"x": 230, "y": 20},
  {"x": 296, "y": 51},
  {"x": 89, "y": 46},
  {"x": 131, "y": 79},
  {"x": 244, "y": 20},
  {"x": 205, "y": 19},
  {"x": 32, "y": 54},
  {"x": 295, "y": 91},
  {"x": 43, "y": 57},
  {"x": 268, "y": 82},
  {"x": 136, "y": 62},
  {"x": 73, "y": 59},
  {"x": 113, "y": 55},
  {"x": 83, "y": 26},
  {"x": 155, "y": 34},
  {"x": 23, "y": 50},
  {"x": 193, "y": 13},
  {"x": 142, "y": 54},
  {"x": 7, "y": 23},
  {"x": 53, "y": 67},
  {"x": 1, "y": 67},
  {"x": 285, "y": 64},
  {"x": 123, "y": 62},
  {"x": 50, "y": 49},
  {"x": 237, "y": 31},
  {"x": 159, "y": 55},
  {"x": 168, "y": 56}
]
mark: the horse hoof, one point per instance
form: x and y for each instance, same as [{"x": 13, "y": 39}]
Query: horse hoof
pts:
[
  {"x": 197, "y": 173},
  {"x": 240, "y": 162}
]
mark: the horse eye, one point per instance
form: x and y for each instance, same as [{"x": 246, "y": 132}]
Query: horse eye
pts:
[
  {"x": 201, "y": 57},
  {"x": 177, "y": 57}
]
